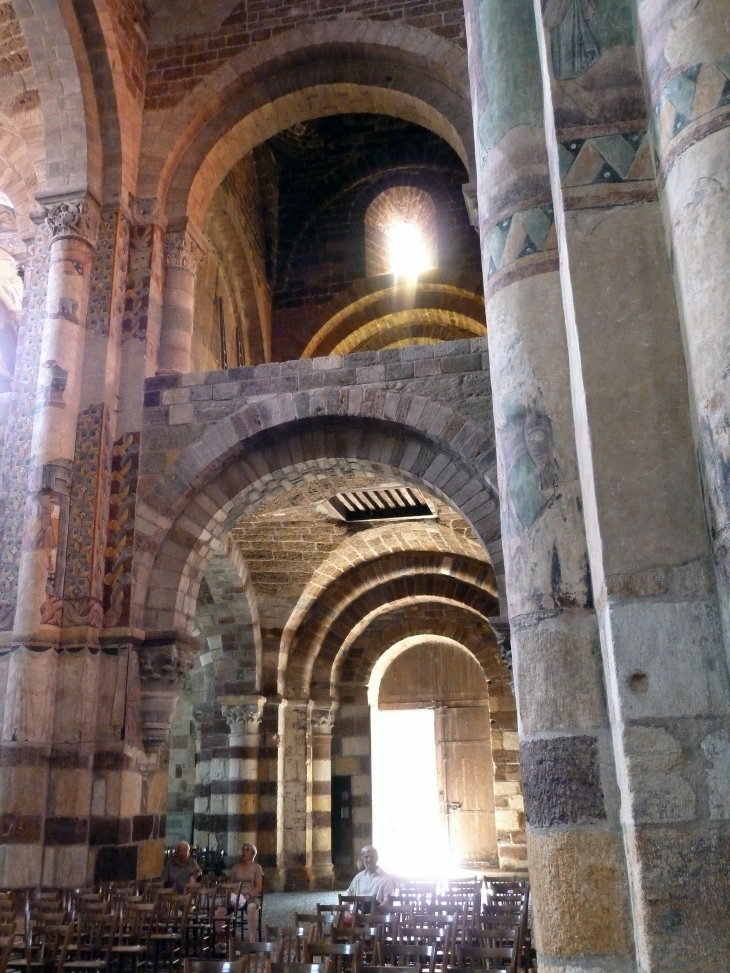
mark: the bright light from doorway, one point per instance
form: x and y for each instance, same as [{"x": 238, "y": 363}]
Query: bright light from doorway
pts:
[
  {"x": 408, "y": 254},
  {"x": 408, "y": 829}
]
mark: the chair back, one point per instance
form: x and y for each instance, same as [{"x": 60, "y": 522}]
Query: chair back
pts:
[
  {"x": 212, "y": 966},
  {"x": 338, "y": 957},
  {"x": 422, "y": 957},
  {"x": 484, "y": 957},
  {"x": 297, "y": 968}
]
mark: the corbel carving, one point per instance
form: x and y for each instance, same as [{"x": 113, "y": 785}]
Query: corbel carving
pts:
[
  {"x": 501, "y": 629},
  {"x": 72, "y": 216},
  {"x": 164, "y": 659},
  {"x": 322, "y": 717}
]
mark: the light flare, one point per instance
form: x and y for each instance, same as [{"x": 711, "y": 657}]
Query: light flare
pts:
[{"x": 408, "y": 254}]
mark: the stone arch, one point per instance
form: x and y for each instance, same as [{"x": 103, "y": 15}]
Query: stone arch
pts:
[
  {"x": 396, "y": 650},
  {"x": 18, "y": 177},
  {"x": 374, "y": 299},
  {"x": 230, "y": 624},
  {"x": 305, "y": 666},
  {"x": 193, "y": 503},
  {"x": 369, "y": 546},
  {"x": 343, "y": 65},
  {"x": 72, "y": 154}
]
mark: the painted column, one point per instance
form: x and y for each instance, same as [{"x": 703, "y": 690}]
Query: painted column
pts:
[
  {"x": 319, "y": 794},
  {"x": 687, "y": 69},
  {"x": 183, "y": 255},
  {"x": 243, "y": 714},
  {"x": 31, "y": 715},
  {"x": 292, "y": 795},
  {"x": 575, "y": 851},
  {"x": 650, "y": 558}
]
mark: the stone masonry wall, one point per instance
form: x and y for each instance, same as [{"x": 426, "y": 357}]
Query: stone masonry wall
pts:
[
  {"x": 179, "y": 407},
  {"x": 175, "y": 68}
]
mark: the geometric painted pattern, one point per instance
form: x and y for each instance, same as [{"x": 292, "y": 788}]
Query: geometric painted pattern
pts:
[
  {"x": 120, "y": 530},
  {"x": 693, "y": 93},
  {"x": 605, "y": 159},
  {"x": 520, "y": 235}
]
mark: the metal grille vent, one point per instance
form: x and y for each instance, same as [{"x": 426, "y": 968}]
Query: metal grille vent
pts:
[{"x": 383, "y": 503}]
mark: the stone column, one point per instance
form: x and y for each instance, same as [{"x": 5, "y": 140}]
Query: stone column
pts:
[
  {"x": 575, "y": 851},
  {"x": 687, "y": 71},
  {"x": 183, "y": 255},
  {"x": 243, "y": 714},
  {"x": 31, "y": 715},
  {"x": 319, "y": 795},
  {"x": 650, "y": 559},
  {"x": 291, "y": 811}
]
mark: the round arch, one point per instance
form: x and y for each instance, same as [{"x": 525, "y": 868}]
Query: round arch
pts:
[
  {"x": 396, "y": 650},
  {"x": 344, "y": 65},
  {"x": 198, "y": 498}
]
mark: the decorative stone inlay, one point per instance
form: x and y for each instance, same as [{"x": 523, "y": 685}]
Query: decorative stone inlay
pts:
[
  {"x": 322, "y": 717},
  {"x": 562, "y": 782},
  {"x": 72, "y": 216},
  {"x": 243, "y": 714},
  {"x": 182, "y": 251}
]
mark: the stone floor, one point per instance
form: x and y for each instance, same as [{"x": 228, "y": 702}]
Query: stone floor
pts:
[{"x": 279, "y": 907}]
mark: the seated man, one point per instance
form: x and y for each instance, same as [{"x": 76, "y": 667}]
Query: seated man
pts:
[
  {"x": 372, "y": 880},
  {"x": 180, "y": 869}
]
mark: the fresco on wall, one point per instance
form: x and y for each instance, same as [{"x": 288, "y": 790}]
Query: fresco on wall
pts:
[{"x": 592, "y": 61}]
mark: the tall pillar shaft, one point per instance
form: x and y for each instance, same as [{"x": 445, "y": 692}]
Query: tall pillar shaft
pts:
[
  {"x": 319, "y": 795},
  {"x": 658, "y": 612},
  {"x": 292, "y": 795},
  {"x": 243, "y": 715},
  {"x": 183, "y": 255},
  {"x": 687, "y": 69},
  {"x": 569, "y": 779}
]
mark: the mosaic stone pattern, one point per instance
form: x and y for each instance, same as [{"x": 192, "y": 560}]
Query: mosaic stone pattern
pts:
[
  {"x": 108, "y": 275},
  {"x": 13, "y": 489},
  {"x": 137, "y": 291},
  {"x": 85, "y": 558},
  {"x": 605, "y": 159},
  {"x": 120, "y": 530},
  {"x": 520, "y": 235}
]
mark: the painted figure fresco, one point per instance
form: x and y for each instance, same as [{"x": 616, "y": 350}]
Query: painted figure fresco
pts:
[{"x": 574, "y": 48}]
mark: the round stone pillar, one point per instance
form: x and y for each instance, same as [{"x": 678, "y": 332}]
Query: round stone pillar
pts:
[
  {"x": 244, "y": 715},
  {"x": 319, "y": 794},
  {"x": 687, "y": 63},
  {"x": 575, "y": 849},
  {"x": 291, "y": 812},
  {"x": 183, "y": 255}
]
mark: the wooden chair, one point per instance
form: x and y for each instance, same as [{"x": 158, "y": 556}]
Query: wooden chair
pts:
[
  {"x": 337, "y": 957},
  {"x": 88, "y": 943},
  {"x": 291, "y": 940},
  {"x": 168, "y": 930},
  {"x": 135, "y": 926},
  {"x": 369, "y": 937},
  {"x": 485, "y": 958},
  {"x": 5, "y": 951},
  {"x": 365, "y": 904},
  {"x": 313, "y": 923},
  {"x": 421, "y": 957},
  {"x": 256, "y": 957},
  {"x": 212, "y": 966},
  {"x": 42, "y": 947},
  {"x": 297, "y": 968}
]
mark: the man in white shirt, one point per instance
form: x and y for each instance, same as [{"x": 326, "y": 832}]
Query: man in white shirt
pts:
[{"x": 372, "y": 880}]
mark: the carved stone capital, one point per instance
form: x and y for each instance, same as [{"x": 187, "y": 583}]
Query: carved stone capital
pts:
[
  {"x": 183, "y": 251},
  {"x": 322, "y": 717},
  {"x": 243, "y": 714},
  {"x": 71, "y": 216},
  {"x": 146, "y": 212}
]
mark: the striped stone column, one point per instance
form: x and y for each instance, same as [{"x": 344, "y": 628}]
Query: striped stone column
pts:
[
  {"x": 319, "y": 795},
  {"x": 575, "y": 851},
  {"x": 244, "y": 715},
  {"x": 650, "y": 559},
  {"x": 183, "y": 256}
]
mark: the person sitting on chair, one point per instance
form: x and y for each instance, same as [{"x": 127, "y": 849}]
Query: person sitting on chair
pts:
[
  {"x": 180, "y": 869},
  {"x": 251, "y": 876},
  {"x": 372, "y": 880}
]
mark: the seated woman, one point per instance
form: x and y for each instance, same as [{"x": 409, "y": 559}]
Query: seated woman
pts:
[{"x": 251, "y": 876}]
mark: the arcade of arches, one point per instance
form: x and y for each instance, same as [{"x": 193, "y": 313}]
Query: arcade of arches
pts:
[{"x": 359, "y": 356}]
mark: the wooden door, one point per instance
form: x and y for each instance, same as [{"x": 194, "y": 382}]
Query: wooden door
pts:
[{"x": 466, "y": 782}]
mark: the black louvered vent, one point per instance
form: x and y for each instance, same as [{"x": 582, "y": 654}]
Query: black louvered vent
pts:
[{"x": 383, "y": 503}]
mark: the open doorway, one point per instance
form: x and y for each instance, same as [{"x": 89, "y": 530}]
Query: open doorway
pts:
[{"x": 432, "y": 769}]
